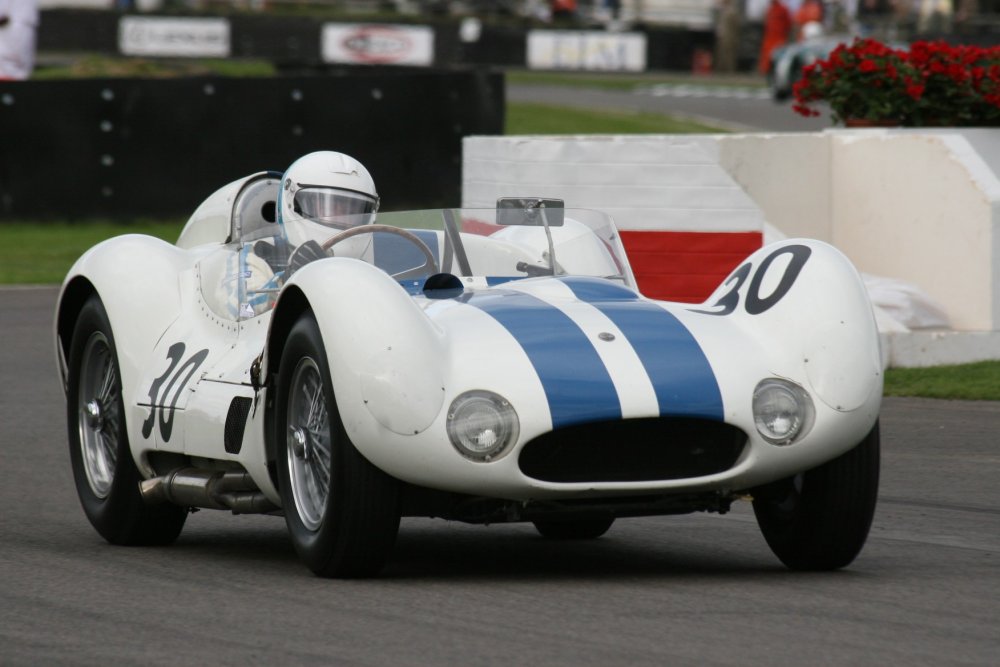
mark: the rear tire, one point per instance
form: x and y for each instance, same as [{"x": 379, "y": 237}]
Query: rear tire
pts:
[
  {"x": 573, "y": 529},
  {"x": 107, "y": 480},
  {"x": 342, "y": 512},
  {"x": 819, "y": 520}
]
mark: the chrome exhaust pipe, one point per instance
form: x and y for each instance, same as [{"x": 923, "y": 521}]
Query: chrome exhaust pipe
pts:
[{"x": 212, "y": 489}]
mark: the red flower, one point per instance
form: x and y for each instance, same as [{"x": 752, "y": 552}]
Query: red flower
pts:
[
  {"x": 931, "y": 83},
  {"x": 804, "y": 110}
]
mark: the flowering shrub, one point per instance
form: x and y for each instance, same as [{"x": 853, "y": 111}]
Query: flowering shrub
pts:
[{"x": 932, "y": 84}]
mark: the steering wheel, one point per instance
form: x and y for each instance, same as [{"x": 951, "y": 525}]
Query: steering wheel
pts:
[{"x": 429, "y": 264}]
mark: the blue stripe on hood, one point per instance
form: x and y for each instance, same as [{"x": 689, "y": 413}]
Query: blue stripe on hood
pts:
[
  {"x": 576, "y": 383},
  {"x": 677, "y": 366}
]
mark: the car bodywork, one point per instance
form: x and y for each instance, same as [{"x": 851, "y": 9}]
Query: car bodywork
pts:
[{"x": 623, "y": 405}]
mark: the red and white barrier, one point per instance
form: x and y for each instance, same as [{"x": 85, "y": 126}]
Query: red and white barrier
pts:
[{"x": 685, "y": 222}]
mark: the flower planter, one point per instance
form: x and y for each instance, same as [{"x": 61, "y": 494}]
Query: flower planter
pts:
[
  {"x": 933, "y": 84},
  {"x": 869, "y": 122}
]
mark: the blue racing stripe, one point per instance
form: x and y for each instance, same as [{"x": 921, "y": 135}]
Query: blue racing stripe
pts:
[
  {"x": 500, "y": 280},
  {"x": 682, "y": 378},
  {"x": 576, "y": 383}
]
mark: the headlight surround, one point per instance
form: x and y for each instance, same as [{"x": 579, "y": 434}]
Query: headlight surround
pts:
[
  {"x": 782, "y": 411},
  {"x": 482, "y": 425}
]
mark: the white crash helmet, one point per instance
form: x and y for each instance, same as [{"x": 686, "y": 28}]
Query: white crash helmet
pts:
[
  {"x": 324, "y": 187},
  {"x": 812, "y": 30}
]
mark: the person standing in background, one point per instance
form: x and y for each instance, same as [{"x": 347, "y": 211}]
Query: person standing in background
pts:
[
  {"x": 811, "y": 11},
  {"x": 18, "y": 22},
  {"x": 777, "y": 26}
]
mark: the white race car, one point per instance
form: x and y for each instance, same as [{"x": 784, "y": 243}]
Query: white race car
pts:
[{"x": 478, "y": 365}]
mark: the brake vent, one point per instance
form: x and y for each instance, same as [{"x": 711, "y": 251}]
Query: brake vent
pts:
[{"x": 236, "y": 422}]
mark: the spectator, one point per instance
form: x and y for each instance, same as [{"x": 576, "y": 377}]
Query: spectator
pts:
[
  {"x": 777, "y": 26},
  {"x": 727, "y": 35},
  {"x": 18, "y": 21},
  {"x": 811, "y": 11},
  {"x": 563, "y": 9}
]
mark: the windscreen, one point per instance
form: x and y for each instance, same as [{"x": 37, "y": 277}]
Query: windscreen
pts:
[{"x": 472, "y": 242}]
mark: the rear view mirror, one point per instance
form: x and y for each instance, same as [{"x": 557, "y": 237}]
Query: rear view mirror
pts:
[{"x": 530, "y": 211}]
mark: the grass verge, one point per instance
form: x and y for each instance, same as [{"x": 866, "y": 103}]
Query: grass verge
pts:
[
  {"x": 41, "y": 253},
  {"x": 618, "y": 81},
  {"x": 978, "y": 381},
  {"x": 526, "y": 118}
]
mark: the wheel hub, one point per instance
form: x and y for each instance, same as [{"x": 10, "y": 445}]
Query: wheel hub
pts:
[
  {"x": 95, "y": 417},
  {"x": 300, "y": 443}
]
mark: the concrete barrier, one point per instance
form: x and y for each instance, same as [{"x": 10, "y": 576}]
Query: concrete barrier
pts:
[
  {"x": 685, "y": 222},
  {"x": 917, "y": 205}
]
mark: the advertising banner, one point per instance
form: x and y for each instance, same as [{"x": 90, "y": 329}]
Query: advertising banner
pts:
[
  {"x": 378, "y": 44},
  {"x": 178, "y": 37},
  {"x": 586, "y": 50}
]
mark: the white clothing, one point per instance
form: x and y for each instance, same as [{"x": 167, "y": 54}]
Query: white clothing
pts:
[{"x": 19, "y": 19}]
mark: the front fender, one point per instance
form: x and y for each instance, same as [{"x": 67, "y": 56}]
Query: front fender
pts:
[
  {"x": 386, "y": 357},
  {"x": 802, "y": 313}
]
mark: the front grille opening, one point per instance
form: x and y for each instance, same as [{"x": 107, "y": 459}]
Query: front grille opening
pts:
[{"x": 633, "y": 450}]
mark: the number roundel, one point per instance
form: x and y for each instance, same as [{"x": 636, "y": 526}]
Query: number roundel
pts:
[{"x": 755, "y": 304}]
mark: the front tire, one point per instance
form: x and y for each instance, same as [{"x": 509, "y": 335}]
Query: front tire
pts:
[
  {"x": 107, "y": 480},
  {"x": 819, "y": 520},
  {"x": 342, "y": 512}
]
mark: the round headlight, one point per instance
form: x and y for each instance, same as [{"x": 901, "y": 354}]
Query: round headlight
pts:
[
  {"x": 482, "y": 425},
  {"x": 782, "y": 411}
]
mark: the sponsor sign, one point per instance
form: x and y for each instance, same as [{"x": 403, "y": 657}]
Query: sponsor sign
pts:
[
  {"x": 378, "y": 44},
  {"x": 586, "y": 50},
  {"x": 184, "y": 37}
]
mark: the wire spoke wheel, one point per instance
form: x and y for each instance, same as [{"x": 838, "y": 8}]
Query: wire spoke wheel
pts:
[
  {"x": 97, "y": 403},
  {"x": 341, "y": 511},
  {"x": 308, "y": 447},
  {"x": 106, "y": 477}
]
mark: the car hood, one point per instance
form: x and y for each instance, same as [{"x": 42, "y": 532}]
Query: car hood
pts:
[{"x": 599, "y": 350}]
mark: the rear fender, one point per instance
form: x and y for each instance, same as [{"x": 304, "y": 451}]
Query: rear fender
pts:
[{"x": 136, "y": 278}]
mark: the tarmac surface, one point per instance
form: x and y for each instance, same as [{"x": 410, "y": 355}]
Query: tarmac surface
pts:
[{"x": 688, "y": 590}]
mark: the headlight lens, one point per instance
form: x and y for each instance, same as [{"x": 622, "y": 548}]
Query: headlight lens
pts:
[
  {"x": 482, "y": 425},
  {"x": 782, "y": 411}
]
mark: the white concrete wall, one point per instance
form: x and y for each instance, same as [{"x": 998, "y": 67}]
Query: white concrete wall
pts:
[
  {"x": 917, "y": 206},
  {"x": 662, "y": 182},
  {"x": 909, "y": 207},
  {"x": 787, "y": 175},
  {"x": 921, "y": 206}
]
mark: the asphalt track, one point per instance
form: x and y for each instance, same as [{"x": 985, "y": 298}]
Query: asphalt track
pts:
[{"x": 690, "y": 590}]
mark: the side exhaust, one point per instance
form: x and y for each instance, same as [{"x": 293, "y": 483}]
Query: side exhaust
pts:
[{"x": 212, "y": 489}]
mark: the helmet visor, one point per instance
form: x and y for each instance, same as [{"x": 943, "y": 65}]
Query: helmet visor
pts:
[{"x": 335, "y": 207}]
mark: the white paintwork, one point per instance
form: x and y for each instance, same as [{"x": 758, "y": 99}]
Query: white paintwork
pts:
[
  {"x": 211, "y": 222},
  {"x": 397, "y": 361},
  {"x": 384, "y": 353}
]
